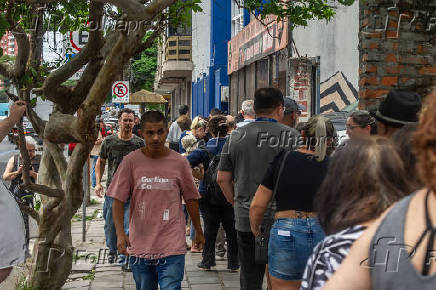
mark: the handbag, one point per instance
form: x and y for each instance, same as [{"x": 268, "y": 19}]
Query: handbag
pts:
[{"x": 261, "y": 241}]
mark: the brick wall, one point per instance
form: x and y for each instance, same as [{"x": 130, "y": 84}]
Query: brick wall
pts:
[{"x": 397, "y": 45}]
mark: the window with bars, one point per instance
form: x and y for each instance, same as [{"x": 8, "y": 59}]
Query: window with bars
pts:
[{"x": 237, "y": 16}]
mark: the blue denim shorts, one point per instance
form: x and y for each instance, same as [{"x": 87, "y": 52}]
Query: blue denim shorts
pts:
[{"x": 291, "y": 243}]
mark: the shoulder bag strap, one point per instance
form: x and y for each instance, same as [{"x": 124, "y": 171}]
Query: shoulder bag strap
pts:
[{"x": 279, "y": 174}]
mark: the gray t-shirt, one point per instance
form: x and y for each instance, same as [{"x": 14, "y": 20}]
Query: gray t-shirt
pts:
[
  {"x": 247, "y": 154},
  {"x": 12, "y": 237},
  {"x": 390, "y": 263},
  {"x": 113, "y": 149}
]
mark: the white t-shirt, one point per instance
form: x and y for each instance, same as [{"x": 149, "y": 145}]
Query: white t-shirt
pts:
[
  {"x": 12, "y": 237},
  {"x": 174, "y": 133}
]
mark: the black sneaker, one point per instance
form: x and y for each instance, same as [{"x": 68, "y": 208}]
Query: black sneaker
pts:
[
  {"x": 203, "y": 266},
  {"x": 111, "y": 258},
  {"x": 233, "y": 269}
]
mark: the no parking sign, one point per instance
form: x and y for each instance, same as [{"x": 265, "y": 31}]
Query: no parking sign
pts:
[{"x": 120, "y": 92}]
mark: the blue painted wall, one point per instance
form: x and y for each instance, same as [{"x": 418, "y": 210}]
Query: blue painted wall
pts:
[
  {"x": 206, "y": 91},
  {"x": 246, "y": 17}
]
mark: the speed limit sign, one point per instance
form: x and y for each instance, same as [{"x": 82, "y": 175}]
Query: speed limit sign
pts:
[{"x": 120, "y": 92}]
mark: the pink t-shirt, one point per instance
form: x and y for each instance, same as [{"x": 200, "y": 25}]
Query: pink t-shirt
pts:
[{"x": 156, "y": 187}]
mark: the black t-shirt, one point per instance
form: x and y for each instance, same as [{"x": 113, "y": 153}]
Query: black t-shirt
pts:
[{"x": 301, "y": 178}]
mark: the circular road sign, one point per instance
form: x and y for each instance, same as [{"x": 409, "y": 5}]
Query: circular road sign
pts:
[{"x": 120, "y": 90}]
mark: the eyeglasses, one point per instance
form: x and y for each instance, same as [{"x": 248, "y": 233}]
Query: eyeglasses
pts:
[{"x": 351, "y": 127}]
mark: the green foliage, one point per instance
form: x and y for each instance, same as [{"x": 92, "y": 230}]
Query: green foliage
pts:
[
  {"x": 91, "y": 274},
  {"x": 93, "y": 202},
  {"x": 157, "y": 107},
  {"x": 37, "y": 205},
  {"x": 23, "y": 284},
  {"x": 67, "y": 16},
  {"x": 144, "y": 68},
  {"x": 181, "y": 11},
  {"x": 298, "y": 12}
]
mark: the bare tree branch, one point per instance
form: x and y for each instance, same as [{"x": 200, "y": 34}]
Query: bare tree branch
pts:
[
  {"x": 59, "y": 159},
  {"x": 12, "y": 97},
  {"x": 62, "y": 128},
  {"x": 133, "y": 8},
  {"x": 74, "y": 183},
  {"x": 37, "y": 123},
  {"x": 137, "y": 11},
  {"x": 96, "y": 60},
  {"x": 157, "y": 29},
  {"x": 23, "y": 152},
  {"x": 28, "y": 210},
  {"x": 22, "y": 42},
  {"x": 69, "y": 99},
  {"x": 36, "y": 41},
  {"x": 44, "y": 190},
  {"x": 103, "y": 83}
]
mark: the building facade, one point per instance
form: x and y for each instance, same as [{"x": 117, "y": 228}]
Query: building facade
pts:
[
  {"x": 317, "y": 65},
  {"x": 9, "y": 46},
  {"x": 174, "y": 68},
  {"x": 211, "y": 30},
  {"x": 397, "y": 48}
]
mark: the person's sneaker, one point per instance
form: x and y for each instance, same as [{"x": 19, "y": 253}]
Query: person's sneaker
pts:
[
  {"x": 233, "y": 269},
  {"x": 195, "y": 249},
  {"x": 111, "y": 258},
  {"x": 221, "y": 254},
  {"x": 203, "y": 266}
]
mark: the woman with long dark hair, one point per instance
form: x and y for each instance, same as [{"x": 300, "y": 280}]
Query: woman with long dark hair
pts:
[
  {"x": 363, "y": 179},
  {"x": 409, "y": 224}
]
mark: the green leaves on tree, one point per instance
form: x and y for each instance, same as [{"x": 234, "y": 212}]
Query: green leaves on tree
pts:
[
  {"x": 144, "y": 68},
  {"x": 298, "y": 12},
  {"x": 180, "y": 13}
]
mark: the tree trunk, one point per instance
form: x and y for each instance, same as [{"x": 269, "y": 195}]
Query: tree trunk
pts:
[
  {"x": 53, "y": 260},
  {"x": 52, "y": 253}
]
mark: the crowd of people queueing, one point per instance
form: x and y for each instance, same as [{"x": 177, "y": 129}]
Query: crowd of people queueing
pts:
[{"x": 297, "y": 205}]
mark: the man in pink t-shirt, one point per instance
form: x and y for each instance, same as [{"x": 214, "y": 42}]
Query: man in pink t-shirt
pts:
[{"x": 155, "y": 179}]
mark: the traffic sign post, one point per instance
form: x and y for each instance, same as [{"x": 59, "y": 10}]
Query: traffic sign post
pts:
[
  {"x": 74, "y": 41},
  {"x": 120, "y": 92}
]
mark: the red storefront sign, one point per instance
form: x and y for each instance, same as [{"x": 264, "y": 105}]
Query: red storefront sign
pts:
[{"x": 256, "y": 41}]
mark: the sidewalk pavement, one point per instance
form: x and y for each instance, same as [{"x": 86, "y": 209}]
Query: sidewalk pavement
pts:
[{"x": 91, "y": 270}]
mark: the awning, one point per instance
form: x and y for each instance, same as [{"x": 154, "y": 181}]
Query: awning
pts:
[{"x": 146, "y": 97}]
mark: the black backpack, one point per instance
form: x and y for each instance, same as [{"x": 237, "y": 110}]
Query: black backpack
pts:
[{"x": 213, "y": 195}]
